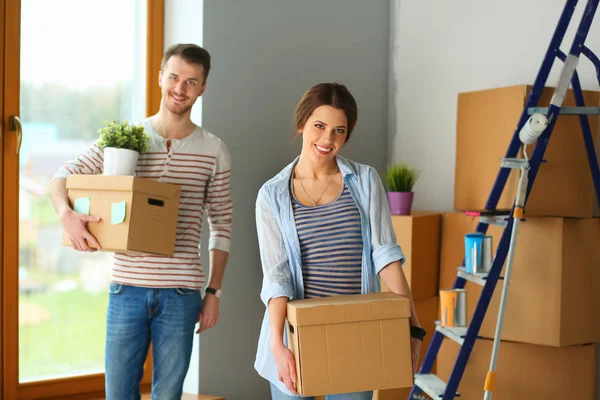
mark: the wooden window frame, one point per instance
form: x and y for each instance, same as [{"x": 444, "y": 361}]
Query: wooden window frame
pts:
[{"x": 79, "y": 387}]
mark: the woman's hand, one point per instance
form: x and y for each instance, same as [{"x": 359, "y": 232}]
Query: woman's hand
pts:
[
  {"x": 415, "y": 346},
  {"x": 286, "y": 366}
]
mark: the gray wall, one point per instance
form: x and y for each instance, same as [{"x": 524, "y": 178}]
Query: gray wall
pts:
[{"x": 265, "y": 55}]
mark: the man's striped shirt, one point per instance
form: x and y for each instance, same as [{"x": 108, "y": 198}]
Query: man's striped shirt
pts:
[{"x": 201, "y": 165}]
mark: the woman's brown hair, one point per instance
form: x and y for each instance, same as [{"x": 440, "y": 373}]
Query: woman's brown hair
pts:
[{"x": 326, "y": 94}]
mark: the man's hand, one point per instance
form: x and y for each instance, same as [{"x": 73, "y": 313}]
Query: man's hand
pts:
[
  {"x": 209, "y": 315},
  {"x": 75, "y": 226}
]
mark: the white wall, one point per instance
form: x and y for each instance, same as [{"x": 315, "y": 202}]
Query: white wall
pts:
[
  {"x": 441, "y": 48},
  {"x": 183, "y": 24}
]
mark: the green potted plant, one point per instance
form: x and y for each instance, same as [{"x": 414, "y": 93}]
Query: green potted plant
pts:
[
  {"x": 400, "y": 180},
  {"x": 122, "y": 144}
]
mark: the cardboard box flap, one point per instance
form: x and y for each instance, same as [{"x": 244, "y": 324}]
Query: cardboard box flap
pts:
[
  {"x": 154, "y": 187},
  {"x": 125, "y": 183},
  {"x": 348, "y": 308},
  {"x": 100, "y": 182}
]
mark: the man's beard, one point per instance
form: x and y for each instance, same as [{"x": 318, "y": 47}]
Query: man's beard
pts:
[{"x": 179, "y": 111}]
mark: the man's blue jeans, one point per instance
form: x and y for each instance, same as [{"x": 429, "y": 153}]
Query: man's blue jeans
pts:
[{"x": 137, "y": 316}]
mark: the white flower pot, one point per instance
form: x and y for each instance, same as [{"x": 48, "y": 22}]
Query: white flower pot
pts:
[{"x": 119, "y": 161}]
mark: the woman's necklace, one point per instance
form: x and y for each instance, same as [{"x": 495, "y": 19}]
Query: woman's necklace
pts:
[{"x": 322, "y": 194}]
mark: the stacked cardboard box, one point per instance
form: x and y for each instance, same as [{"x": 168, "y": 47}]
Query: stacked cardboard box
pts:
[
  {"x": 525, "y": 372},
  {"x": 555, "y": 283},
  {"x": 419, "y": 236},
  {"x": 486, "y": 122},
  {"x": 549, "y": 323}
]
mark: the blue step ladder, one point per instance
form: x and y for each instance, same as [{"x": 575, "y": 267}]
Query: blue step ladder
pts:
[{"x": 425, "y": 381}]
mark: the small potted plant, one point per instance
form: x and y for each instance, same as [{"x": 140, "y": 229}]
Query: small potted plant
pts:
[
  {"x": 122, "y": 144},
  {"x": 400, "y": 180}
]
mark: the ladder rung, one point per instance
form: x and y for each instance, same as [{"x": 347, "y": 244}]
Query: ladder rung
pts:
[
  {"x": 455, "y": 333},
  {"x": 491, "y": 217},
  {"x": 431, "y": 384},
  {"x": 479, "y": 278},
  {"x": 495, "y": 220},
  {"x": 515, "y": 163},
  {"x": 567, "y": 110}
]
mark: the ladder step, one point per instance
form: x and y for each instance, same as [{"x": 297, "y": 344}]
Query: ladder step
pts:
[
  {"x": 431, "y": 384},
  {"x": 491, "y": 217},
  {"x": 567, "y": 110},
  {"x": 455, "y": 333},
  {"x": 515, "y": 163},
  {"x": 495, "y": 220},
  {"x": 479, "y": 278}
]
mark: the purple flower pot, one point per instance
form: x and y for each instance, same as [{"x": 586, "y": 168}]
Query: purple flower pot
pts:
[{"x": 400, "y": 202}]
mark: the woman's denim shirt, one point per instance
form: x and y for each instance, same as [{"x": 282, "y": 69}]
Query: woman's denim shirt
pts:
[{"x": 280, "y": 248}]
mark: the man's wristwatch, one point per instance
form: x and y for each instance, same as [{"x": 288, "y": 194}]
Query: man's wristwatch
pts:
[
  {"x": 417, "y": 332},
  {"x": 215, "y": 292}
]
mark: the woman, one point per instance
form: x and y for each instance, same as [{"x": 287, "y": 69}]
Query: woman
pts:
[{"x": 324, "y": 229}]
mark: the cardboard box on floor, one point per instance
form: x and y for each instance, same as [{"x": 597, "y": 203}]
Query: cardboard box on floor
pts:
[
  {"x": 554, "y": 292},
  {"x": 137, "y": 215},
  {"x": 427, "y": 310},
  {"x": 486, "y": 122},
  {"x": 348, "y": 344},
  {"x": 525, "y": 371},
  {"x": 419, "y": 236}
]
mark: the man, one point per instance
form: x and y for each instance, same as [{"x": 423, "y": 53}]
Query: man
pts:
[{"x": 154, "y": 298}]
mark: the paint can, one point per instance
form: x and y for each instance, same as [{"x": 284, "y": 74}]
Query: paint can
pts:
[
  {"x": 486, "y": 254},
  {"x": 473, "y": 245},
  {"x": 453, "y": 308}
]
